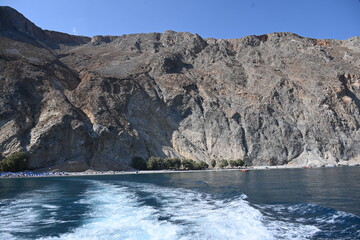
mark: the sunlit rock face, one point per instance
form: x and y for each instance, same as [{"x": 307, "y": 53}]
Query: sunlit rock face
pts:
[{"x": 76, "y": 103}]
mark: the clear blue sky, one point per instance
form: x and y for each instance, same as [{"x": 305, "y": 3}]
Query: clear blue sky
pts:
[{"x": 337, "y": 19}]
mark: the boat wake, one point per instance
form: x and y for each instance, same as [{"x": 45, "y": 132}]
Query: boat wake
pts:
[{"x": 114, "y": 210}]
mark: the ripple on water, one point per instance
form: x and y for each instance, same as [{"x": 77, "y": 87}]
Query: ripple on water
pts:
[{"x": 124, "y": 210}]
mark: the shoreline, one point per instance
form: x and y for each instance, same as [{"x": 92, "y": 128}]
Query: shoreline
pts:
[{"x": 135, "y": 172}]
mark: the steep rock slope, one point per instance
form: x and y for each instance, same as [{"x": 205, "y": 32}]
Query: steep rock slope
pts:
[{"x": 76, "y": 103}]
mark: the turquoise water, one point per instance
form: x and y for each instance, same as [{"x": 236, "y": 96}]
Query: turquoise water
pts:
[{"x": 266, "y": 204}]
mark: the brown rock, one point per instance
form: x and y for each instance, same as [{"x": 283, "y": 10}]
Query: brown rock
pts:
[{"x": 76, "y": 103}]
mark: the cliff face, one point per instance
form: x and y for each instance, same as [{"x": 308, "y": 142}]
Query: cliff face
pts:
[{"x": 76, "y": 103}]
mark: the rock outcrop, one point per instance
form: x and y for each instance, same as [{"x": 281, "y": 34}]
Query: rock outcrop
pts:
[{"x": 77, "y": 103}]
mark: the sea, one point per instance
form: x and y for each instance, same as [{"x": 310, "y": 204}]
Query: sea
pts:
[{"x": 318, "y": 203}]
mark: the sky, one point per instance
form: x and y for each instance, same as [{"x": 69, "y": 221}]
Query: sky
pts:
[{"x": 324, "y": 19}]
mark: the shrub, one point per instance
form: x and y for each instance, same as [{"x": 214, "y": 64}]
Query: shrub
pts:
[
  {"x": 192, "y": 165},
  {"x": 155, "y": 163},
  {"x": 236, "y": 163},
  {"x": 138, "y": 163},
  {"x": 213, "y": 163},
  {"x": 224, "y": 163},
  {"x": 240, "y": 162},
  {"x": 14, "y": 163},
  {"x": 188, "y": 164},
  {"x": 172, "y": 163},
  {"x": 200, "y": 165},
  {"x": 232, "y": 163}
]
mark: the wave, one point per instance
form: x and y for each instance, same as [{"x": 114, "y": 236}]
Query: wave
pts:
[
  {"x": 125, "y": 210},
  {"x": 19, "y": 216},
  {"x": 143, "y": 211},
  {"x": 333, "y": 224}
]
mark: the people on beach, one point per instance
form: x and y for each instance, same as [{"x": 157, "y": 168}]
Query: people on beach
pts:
[{"x": 32, "y": 174}]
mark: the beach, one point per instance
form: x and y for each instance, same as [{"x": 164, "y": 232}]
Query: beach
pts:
[{"x": 90, "y": 172}]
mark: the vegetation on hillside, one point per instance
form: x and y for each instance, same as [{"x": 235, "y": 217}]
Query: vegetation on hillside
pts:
[
  {"x": 138, "y": 163},
  {"x": 224, "y": 163},
  {"x": 14, "y": 163},
  {"x": 157, "y": 163}
]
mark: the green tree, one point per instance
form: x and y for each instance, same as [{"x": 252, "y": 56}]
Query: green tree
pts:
[
  {"x": 236, "y": 163},
  {"x": 172, "y": 163},
  {"x": 176, "y": 162},
  {"x": 232, "y": 163},
  {"x": 240, "y": 162},
  {"x": 188, "y": 164},
  {"x": 213, "y": 163},
  {"x": 155, "y": 163},
  {"x": 200, "y": 165},
  {"x": 14, "y": 163},
  {"x": 138, "y": 163},
  {"x": 224, "y": 163}
]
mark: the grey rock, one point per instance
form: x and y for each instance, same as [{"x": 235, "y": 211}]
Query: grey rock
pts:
[{"x": 76, "y": 103}]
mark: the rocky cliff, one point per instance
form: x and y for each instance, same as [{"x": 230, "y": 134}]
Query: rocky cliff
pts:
[{"x": 75, "y": 103}]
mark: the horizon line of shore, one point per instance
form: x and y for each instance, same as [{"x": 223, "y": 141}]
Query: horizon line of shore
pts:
[{"x": 91, "y": 172}]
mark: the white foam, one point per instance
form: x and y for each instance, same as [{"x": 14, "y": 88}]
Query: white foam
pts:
[
  {"x": 118, "y": 212},
  {"x": 225, "y": 219},
  {"x": 22, "y": 213},
  {"x": 145, "y": 211},
  {"x": 338, "y": 217},
  {"x": 115, "y": 214}
]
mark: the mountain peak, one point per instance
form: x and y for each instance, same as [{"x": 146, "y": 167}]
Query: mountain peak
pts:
[
  {"x": 13, "y": 24},
  {"x": 272, "y": 99},
  {"x": 16, "y": 26}
]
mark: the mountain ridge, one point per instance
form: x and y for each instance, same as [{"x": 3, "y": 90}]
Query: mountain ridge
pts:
[{"x": 76, "y": 103}]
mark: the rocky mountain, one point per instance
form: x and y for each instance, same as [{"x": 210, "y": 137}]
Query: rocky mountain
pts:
[{"x": 77, "y": 103}]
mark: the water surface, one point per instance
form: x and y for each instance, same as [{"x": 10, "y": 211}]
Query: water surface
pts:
[{"x": 265, "y": 204}]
